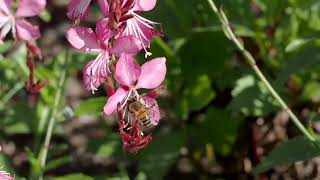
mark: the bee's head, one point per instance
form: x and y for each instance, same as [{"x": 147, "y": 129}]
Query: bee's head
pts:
[{"x": 132, "y": 99}]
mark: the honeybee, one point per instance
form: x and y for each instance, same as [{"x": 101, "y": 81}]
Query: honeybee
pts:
[{"x": 140, "y": 111}]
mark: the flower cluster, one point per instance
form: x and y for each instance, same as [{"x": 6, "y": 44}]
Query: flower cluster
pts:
[
  {"x": 12, "y": 17},
  {"x": 116, "y": 39}
]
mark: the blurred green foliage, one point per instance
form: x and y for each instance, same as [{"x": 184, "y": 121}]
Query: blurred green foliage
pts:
[{"x": 211, "y": 91}]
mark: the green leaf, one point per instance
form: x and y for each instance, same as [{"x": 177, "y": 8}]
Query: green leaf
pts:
[
  {"x": 299, "y": 43},
  {"x": 19, "y": 57},
  {"x": 21, "y": 120},
  {"x": 242, "y": 84},
  {"x": 203, "y": 53},
  {"x": 35, "y": 166},
  {"x": 251, "y": 97},
  {"x": 58, "y": 162},
  {"x": 300, "y": 61},
  {"x": 181, "y": 107},
  {"x": 174, "y": 15},
  {"x": 42, "y": 112},
  {"x": 311, "y": 91},
  {"x": 106, "y": 146},
  {"x": 77, "y": 176},
  {"x": 5, "y": 46},
  {"x": 297, "y": 149},
  {"x": 199, "y": 93},
  {"x": 218, "y": 128},
  {"x": 161, "y": 153},
  {"x": 92, "y": 106},
  {"x": 17, "y": 128}
]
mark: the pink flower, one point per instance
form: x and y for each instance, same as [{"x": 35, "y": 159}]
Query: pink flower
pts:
[
  {"x": 131, "y": 77},
  {"x": 87, "y": 40},
  {"x": 95, "y": 72},
  {"x": 5, "y": 176},
  {"x": 21, "y": 29},
  {"x": 78, "y": 9},
  {"x": 124, "y": 17}
]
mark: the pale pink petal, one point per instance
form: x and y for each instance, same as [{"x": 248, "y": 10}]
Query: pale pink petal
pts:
[
  {"x": 5, "y": 176},
  {"x": 5, "y": 6},
  {"x": 103, "y": 32},
  {"x": 152, "y": 74},
  {"x": 82, "y": 38},
  {"x": 127, "y": 70},
  {"x": 142, "y": 29},
  {"x": 78, "y": 9},
  {"x": 104, "y": 6},
  {"x": 4, "y": 20},
  {"x": 153, "y": 109},
  {"x": 6, "y": 26},
  {"x": 144, "y": 5},
  {"x": 26, "y": 31},
  {"x": 28, "y": 8},
  {"x": 127, "y": 44},
  {"x": 113, "y": 101},
  {"x": 95, "y": 72}
]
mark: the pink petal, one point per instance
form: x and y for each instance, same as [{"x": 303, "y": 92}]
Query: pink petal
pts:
[
  {"x": 153, "y": 109},
  {"x": 103, "y": 32},
  {"x": 5, "y": 6},
  {"x": 127, "y": 44},
  {"x": 78, "y": 9},
  {"x": 5, "y": 176},
  {"x": 95, "y": 72},
  {"x": 26, "y": 31},
  {"x": 28, "y": 8},
  {"x": 152, "y": 74},
  {"x": 6, "y": 26},
  {"x": 127, "y": 70},
  {"x": 144, "y": 5},
  {"x": 82, "y": 38},
  {"x": 113, "y": 101},
  {"x": 142, "y": 29},
  {"x": 104, "y": 6}
]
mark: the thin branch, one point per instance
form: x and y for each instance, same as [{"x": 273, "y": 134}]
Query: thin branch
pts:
[{"x": 52, "y": 120}]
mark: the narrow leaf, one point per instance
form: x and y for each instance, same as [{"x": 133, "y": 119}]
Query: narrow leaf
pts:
[
  {"x": 92, "y": 106},
  {"x": 297, "y": 149}
]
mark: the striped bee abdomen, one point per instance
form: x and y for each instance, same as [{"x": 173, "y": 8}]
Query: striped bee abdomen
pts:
[{"x": 140, "y": 112}]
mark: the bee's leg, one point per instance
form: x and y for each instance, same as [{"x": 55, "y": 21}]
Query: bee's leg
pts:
[
  {"x": 125, "y": 100},
  {"x": 129, "y": 114},
  {"x": 129, "y": 122}
]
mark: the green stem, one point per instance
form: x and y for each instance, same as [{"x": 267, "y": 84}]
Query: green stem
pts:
[
  {"x": 10, "y": 94},
  {"x": 231, "y": 35},
  {"x": 52, "y": 119}
]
